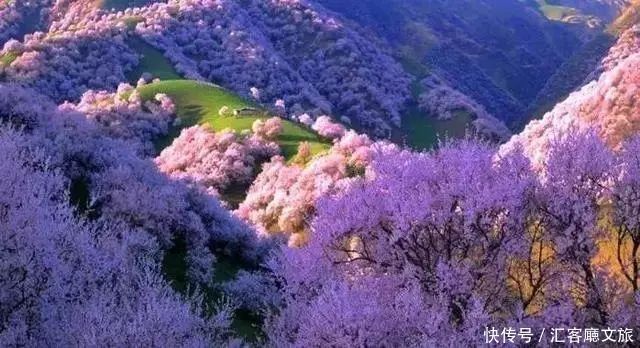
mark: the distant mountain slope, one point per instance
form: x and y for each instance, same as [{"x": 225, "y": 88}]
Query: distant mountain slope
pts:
[
  {"x": 573, "y": 73},
  {"x": 588, "y": 62},
  {"x": 496, "y": 60},
  {"x": 19, "y": 17},
  {"x": 498, "y": 52},
  {"x": 591, "y": 12},
  {"x": 296, "y": 54},
  {"x": 609, "y": 105},
  {"x": 629, "y": 17}
]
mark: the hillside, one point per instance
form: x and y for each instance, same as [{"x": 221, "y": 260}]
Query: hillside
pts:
[
  {"x": 355, "y": 64},
  {"x": 585, "y": 64},
  {"x": 609, "y": 105},
  {"x": 628, "y": 18},
  {"x": 507, "y": 58},
  {"x": 572, "y": 74},
  {"x": 591, "y": 12},
  {"x": 499, "y": 53},
  {"x": 199, "y": 103},
  {"x": 296, "y": 52},
  {"x": 319, "y": 173}
]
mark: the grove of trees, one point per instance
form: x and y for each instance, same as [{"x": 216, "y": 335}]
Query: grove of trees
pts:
[{"x": 107, "y": 241}]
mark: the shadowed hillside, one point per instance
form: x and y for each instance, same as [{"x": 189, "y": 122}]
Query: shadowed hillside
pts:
[{"x": 499, "y": 53}]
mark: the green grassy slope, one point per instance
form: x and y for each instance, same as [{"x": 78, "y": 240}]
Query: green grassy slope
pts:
[
  {"x": 424, "y": 131},
  {"x": 7, "y": 59},
  {"x": 555, "y": 12},
  {"x": 199, "y": 103},
  {"x": 421, "y": 131},
  {"x": 152, "y": 61}
]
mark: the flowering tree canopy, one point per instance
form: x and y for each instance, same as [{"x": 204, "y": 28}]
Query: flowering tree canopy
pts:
[
  {"x": 455, "y": 233},
  {"x": 217, "y": 160}
]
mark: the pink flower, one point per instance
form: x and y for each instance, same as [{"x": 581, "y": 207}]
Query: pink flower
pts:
[
  {"x": 327, "y": 128},
  {"x": 269, "y": 129}
]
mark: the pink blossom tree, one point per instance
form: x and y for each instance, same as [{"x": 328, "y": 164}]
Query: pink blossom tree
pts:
[
  {"x": 217, "y": 160},
  {"x": 123, "y": 114},
  {"x": 468, "y": 225},
  {"x": 327, "y": 128},
  {"x": 282, "y": 198},
  {"x": 69, "y": 281},
  {"x": 625, "y": 199},
  {"x": 269, "y": 129}
]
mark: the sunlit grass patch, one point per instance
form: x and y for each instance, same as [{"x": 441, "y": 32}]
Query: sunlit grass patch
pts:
[{"x": 200, "y": 103}]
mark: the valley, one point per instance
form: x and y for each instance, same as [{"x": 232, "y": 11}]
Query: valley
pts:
[
  {"x": 514, "y": 82},
  {"x": 282, "y": 173}
]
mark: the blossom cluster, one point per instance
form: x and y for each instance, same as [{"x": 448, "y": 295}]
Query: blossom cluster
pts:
[
  {"x": 435, "y": 247},
  {"x": 110, "y": 179},
  {"x": 327, "y": 128},
  {"x": 71, "y": 280},
  {"x": 269, "y": 129},
  {"x": 628, "y": 44},
  {"x": 216, "y": 160},
  {"x": 123, "y": 115},
  {"x": 81, "y": 50},
  {"x": 283, "y": 196},
  {"x": 9, "y": 20}
]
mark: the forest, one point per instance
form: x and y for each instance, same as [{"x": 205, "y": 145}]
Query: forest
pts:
[{"x": 289, "y": 173}]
